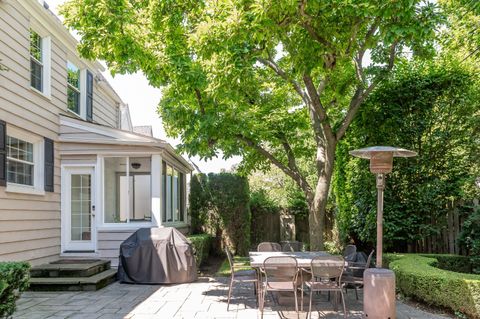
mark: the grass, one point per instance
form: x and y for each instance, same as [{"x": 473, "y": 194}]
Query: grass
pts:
[{"x": 240, "y": 263}]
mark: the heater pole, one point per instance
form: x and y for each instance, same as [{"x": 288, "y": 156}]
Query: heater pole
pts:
[{"x": 380, "y": 188}]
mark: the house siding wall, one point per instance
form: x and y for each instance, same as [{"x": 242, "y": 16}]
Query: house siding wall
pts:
[{"x": 30, "y": 224}]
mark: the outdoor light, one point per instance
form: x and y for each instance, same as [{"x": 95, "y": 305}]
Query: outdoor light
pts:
[
  {"x": 379, "y": 284},
  {"x": 136, "y": 165}
]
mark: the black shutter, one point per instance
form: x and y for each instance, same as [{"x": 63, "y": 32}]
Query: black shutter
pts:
[
  {"x": 3, "y": 153},
  {"x": 49, "y": 164},
  {"x": 89, "y": 96}
]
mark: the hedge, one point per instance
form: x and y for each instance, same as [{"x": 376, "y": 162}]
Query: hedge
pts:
[
  {"x": 201, "y": 247},
  {"x": 14, "y": 277},
  {"x": 417, "y": 276}
]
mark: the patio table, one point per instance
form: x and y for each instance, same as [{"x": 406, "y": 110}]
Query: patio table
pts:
[{"x": 304, "y": 258}]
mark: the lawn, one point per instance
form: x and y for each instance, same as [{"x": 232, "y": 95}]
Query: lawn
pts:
[{"x": 240, "y": 263}]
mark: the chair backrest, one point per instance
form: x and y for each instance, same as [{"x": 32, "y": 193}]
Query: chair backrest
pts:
[
  {"x": 269, "y": 246},
  {"x": 230, "y": 260},
  {"x": 369, "y": 259},
  {"x": 350, "y": 249},
  {"x": 292, "y": 246},
  {"x": 328, "y": 267},
  {"x": 280, "y": 268}
]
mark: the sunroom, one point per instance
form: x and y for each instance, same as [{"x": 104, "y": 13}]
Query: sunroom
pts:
[{"x": 113, "y": 183}]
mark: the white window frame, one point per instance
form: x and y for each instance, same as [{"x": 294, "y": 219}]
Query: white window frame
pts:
[
  {"x": 46, "y": 59},
  {"x": 81, "y": 91},
  {"x": 174, "y": 223},
  {"x": 38, "y": 187},
  {"x": 102, "y": 225}
]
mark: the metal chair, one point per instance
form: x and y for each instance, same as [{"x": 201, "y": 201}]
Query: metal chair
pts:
[
  {"x": 280, "y": 274},
  {"x": 292, "y": 246},
  {"x": 326, "y": 272},
  {"x": 239, "y": 276},
  {"x": 269, "y": 246},
  {"x": 354, "y": 274}
]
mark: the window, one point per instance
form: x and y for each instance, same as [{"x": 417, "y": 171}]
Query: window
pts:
[
  {"x": 73, "y": 88},
  {"x": 127, "y": 189},
  {"x": 173, "y": 183},
  {"x": 36, "y": 61},
  {"x": 20, "y": 163}
]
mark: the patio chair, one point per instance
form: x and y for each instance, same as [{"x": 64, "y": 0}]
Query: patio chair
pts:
[
  {"x": 353, "y": 276},
  {"x": 326, "y": 275},
  {"x": 292, "y": 246},
  {"x": 269, "y": 246},
  {"x": 280, "y": 274},
  {"x": 242, "y": 276},
  {"x": 349, "y": 252}
]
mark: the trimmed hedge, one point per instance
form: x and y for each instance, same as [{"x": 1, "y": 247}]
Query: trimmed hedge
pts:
[
  {"x": 201, "y": 247},
  {"x": 417, "y": 276},
  {"x": 14, "y": 277}
]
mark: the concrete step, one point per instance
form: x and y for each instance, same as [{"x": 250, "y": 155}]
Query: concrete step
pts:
[
  {"x": 70, "y": 268},
  {"x": 91, "y": 283}
]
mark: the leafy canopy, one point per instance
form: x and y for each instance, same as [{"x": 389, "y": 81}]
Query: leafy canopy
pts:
[{"x": 231, "y": 71}]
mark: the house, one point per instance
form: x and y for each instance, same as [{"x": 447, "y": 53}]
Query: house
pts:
[{"x": 76, "y": 178}]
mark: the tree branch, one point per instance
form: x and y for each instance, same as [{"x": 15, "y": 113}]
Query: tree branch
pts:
[
  {"x": 359, "y": 96},
  {"x": 306, "y": 24},
  {"x": 200, "y": 102},
  {"x": 280, "y": 72},
  {"x": 293, "y": 173}
]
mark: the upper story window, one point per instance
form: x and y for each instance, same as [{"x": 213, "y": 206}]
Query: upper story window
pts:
[
  {"x": 40, "y": 63},
  {"x": 36, "y": 61},
  {"x": 73, "y": 87}
]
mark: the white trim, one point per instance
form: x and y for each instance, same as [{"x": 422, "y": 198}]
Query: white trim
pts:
[
  {"x": 66, "y": 172},
  {"x": 38, "y": 187}
]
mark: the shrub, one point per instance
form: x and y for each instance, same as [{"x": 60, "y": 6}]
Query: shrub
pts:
[
  {"x": 470, "y": 238},
  {"x": 201, "y": 247},
  {"x": 14, "y": 277},
  {"x": 417, "y": 276}
]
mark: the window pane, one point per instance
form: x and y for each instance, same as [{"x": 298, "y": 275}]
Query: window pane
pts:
[
  {"x": 115, "y": 190},
  {"x": 73, "y": 102},
  {"x": 73, "y": 75},
  {"x": 164, "y": 192},
  {"x": 20, "y": 164},
  {"x": 176, "y": 198},
  {"x": 80, "y": 207},
  {"x": 182, "y": 196},
  {"x": 169, "y": 193},
  {"x": 36, "y": 46},
  {"x": 36, "y": 70},
  {"x": 19, "y": 173},
  {"x": 140, "y": 189}
]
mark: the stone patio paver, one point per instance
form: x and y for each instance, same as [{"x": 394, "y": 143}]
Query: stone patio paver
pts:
[{"x": 204, "y": 299}]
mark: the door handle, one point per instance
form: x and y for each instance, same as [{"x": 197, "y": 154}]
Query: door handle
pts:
[{"x": 93, "y": 210}]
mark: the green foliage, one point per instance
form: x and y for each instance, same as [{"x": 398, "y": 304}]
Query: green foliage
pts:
[
  {"x": 470, "y": 238},
  {"x": 260, "y": 203},
  {"x": 240, "y": 263},
  {"x": 14, "y": 277},
  {"x": 455, "y": 263},
  {"x": 417, "y": 276},
  {"x": 201, "y": 246},
  {"x": 431, "y": 108},
  {"x": 220, "y": 206}
]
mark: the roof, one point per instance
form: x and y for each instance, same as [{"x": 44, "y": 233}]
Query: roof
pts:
[
  {"x": 143, "y": 130},
  {"x": 74, "y": 130}
]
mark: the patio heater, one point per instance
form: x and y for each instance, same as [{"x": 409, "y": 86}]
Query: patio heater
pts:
[{"x": 379, "y": 283}]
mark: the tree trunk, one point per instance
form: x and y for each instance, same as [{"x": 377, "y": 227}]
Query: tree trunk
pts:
[{"x": 318, "y": 203}]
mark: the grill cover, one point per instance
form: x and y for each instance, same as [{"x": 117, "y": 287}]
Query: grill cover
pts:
[{"x": 157, "y": 256}]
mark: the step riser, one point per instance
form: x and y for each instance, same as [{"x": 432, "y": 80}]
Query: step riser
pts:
[
  {"x": 74, "y": 287},
  {"x": 46, "y": 273}
]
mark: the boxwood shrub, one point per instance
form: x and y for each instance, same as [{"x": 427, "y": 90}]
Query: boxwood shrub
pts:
[
  {"x": 201, "y": 246},
  {"x": 417, "y": 276},
  {"x": 14, "y": 277}
]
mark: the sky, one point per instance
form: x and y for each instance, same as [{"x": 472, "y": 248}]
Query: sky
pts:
[{"x": 143, "y": 100}]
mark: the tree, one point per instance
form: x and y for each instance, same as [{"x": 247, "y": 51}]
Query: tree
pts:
[{"x": 272, "y": 80}]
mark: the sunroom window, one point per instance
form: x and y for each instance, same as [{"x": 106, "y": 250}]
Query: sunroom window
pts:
[
  {"x": 127, "y": 189},
  {"x": 36, "y": 61},
  {"x": 173, "y": 197},
  {"x": 73, "y": 87},
  {"x": 20, "y": 162}
]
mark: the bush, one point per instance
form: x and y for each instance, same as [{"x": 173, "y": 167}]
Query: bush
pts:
[
  {"x": 201, "y": 247},
  {"x": 14, "y": 277},
  {"x": 470, "y": 238},
  {"x": 417, "y": 276}
]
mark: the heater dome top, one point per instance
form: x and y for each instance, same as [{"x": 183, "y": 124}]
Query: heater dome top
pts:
[{"x": 370, "y": 152}]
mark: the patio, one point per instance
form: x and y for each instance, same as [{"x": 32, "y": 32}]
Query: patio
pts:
[{"x": 206, "y": 298}]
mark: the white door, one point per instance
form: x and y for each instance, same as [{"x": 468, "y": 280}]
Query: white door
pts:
[{"x": 79, "y": 209}]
